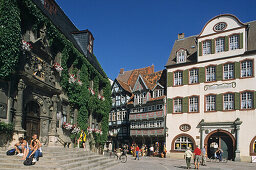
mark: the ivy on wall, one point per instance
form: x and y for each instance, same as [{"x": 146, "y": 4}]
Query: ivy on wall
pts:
[
  {"x": 14, "y": 23},
  {"x": 10, "y": 33}
]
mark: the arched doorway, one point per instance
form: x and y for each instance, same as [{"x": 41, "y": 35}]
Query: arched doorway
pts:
[
  {"x": 222, "y": 139},
  {"x": 32, "y": 119}
]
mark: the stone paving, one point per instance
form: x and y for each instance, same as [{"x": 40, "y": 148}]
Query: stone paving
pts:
[{"x": 150, "y": 163}]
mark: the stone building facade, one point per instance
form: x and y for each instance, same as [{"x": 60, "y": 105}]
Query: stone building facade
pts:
[
  {"x": 33, "y": 99},
  {"x": 211, "y": 90}
]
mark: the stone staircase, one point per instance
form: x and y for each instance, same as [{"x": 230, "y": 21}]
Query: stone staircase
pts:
[{"x": 60, "y": 159}]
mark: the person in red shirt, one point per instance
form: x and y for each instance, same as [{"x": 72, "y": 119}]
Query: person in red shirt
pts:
[
  {"x": 197, "y": 155},
  {"x": 137, "y": 152}
]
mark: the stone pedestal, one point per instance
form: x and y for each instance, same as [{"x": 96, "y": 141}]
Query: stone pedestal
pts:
[{"x": 53, "y": 136}]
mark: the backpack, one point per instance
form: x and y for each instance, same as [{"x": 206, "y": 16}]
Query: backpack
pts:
[
  {"x": 28, "y": 161},
  {"x": 11, "y": 152}
]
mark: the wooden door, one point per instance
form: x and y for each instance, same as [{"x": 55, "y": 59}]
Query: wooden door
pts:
[{"x": 32, "y": 127}]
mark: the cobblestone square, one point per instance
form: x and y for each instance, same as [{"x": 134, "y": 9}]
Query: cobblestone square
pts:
[{"x": 150, "y": 163}]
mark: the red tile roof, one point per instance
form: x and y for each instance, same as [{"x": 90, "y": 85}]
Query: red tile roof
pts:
[{"x": 125, "y": 86}]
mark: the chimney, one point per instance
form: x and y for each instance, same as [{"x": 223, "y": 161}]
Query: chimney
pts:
[
  {"x": 121, "y": 70},
  {"x": 152, "y": 68},
  {"x": 180, "y": 36}
]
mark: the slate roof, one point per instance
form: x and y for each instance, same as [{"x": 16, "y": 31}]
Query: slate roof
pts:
[
  {"x": 188, "y": 44},
  {"x": 65, "y": 25},
  {"x": 251, "y": 46}
]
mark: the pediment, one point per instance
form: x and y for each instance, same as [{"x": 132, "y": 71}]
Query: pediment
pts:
[{"x": 221, "y": 23}]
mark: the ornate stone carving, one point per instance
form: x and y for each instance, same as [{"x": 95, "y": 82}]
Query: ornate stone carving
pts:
[
  {"x": 21, "y": 85},
  {"x": 39, "y": 66}
]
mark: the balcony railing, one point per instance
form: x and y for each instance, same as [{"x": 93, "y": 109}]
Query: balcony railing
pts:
[
  {"x": 149, "y": 115},
  {"x": 151, "y": 132}
]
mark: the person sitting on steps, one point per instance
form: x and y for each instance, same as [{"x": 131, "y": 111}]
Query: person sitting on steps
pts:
[
  {"x": 82, "y": 138},
  {"x": 33, "y": 149},
  {"x": 21, "y": 146}
]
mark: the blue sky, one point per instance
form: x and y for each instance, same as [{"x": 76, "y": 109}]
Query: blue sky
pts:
[{"x": 133, "y": 34}]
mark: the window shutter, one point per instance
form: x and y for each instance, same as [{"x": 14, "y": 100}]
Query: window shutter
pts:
[
  {"x": 185, "y": 105},
  {"x": 213, "y": 46},
  {"x": 169, "y": 79},
  {"x": 237, "y": 101},
  {"x": 237, "y": 70},
  {"x": 200, "y": 48},
  {"x": 169, "y": 106},
  {"x": 226, "y": 43},
  {"x": 219, "y": 72},
  {"x": 241, "y": 40},
  {"x": 219, "y": 102},
  {"x": 185, "y": 77},
  {"x": 201, "y": 74}
]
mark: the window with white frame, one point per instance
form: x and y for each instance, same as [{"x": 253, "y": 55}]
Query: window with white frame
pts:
[
  {"x": 211, "y": 103},
  {"x": 181, "y": 56},
  {"x": 119, "y": 115},
  {"x": 117, "y": 100},
  {"x": 114, "y": 116},
  {"x": 177, "y": 105},
  {"x": 193, "y": 76},
  {"x": 124, "y": 115},
  {"x": 153, "y": 107},
  {"x": 122, "y": 99},
  {"x": 211, "y": 73},
  {"x": 157, "y": 107},
  {"x": 246, "y": 68},
  {"x": 133, "y": 124},
  {"x": 145, "y": 123},
  {"x": 177, "y": 78},
  {"x": 233, "y": 42},
  {"x": 182, "y": 143},
  {"x": 206, "y": 47},
  {"x": 151, "y": 124},
  {"x": 149, "y": 108},
  {"x": 247, "y": 100},
  {"x": 138, "y": 124},
  {"x": 110, "y": 116},
  {"x": 229, "y": 101},
  {"x": 193, "y": 104},
  {"x": 160, "y": 106},
  {"x": 220, "y": 45},
  {"x": 159, "y": 123},
  {"x": 158, "y": 93},
  {"x": 228, "y": 71}
]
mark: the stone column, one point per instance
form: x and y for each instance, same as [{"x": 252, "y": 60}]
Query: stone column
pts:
[
  {"x": 53, "y": 131},
  {"x": 19, "y": 110},
  {"x": 237, "y": 152},
  {"x": 202, "y": 136},
  {"x": 68, "y": 113},
  {"x": 75, "y": 116}
]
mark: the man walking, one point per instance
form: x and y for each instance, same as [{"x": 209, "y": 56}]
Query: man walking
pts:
[
  {"x": 204, "y": 155},
  {"x": 197, "y": 153},
  {"x": 137, "y": 152},
  {"x": 188, "y": 154}
]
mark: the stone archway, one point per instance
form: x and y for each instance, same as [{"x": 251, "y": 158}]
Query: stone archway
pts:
[
  {"x": 224, "y": 139},
  {"x": 32, "y": 119}
]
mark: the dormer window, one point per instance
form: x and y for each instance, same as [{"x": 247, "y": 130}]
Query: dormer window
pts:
[
  {"x": 181, "y": 56},
  {"x": 90, "y": 44}
]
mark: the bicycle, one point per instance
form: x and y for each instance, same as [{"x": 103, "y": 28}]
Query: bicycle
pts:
[{"x": 122, "y": 157}]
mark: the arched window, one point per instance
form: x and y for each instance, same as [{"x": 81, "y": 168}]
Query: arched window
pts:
[
  {"x": 182, "y": 142},
  {"x": 181, "y": 56},
  {"x": 253, "y": 147}
]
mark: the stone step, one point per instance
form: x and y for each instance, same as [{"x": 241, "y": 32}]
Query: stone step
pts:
[
  {"x": 93, "y": 165},
  {"x": 21, "y": 166},
  {"x": 107, "y": 165},
  {"x": 84, "y": 162}
]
